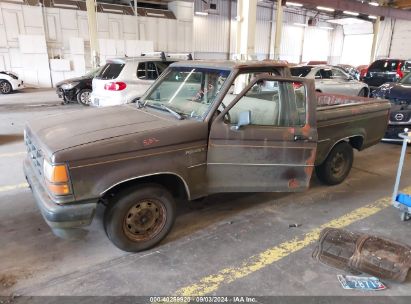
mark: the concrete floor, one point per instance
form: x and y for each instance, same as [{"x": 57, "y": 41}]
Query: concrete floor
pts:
[{"x": 219, "y": 232}]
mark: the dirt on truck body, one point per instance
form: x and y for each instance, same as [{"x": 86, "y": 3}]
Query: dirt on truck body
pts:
[{"x": 202, "y": 128}]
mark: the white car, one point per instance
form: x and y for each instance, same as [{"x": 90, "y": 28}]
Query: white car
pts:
[
  {"x": 10, "y": 82},
  {"x": 331, "y": 79},
  {"x": 124, "y": 80}
]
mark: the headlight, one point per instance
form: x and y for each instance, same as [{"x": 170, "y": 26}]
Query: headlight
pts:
[
  {"x": 56, "y": 178},
  {"x": 69, "y": 86}
]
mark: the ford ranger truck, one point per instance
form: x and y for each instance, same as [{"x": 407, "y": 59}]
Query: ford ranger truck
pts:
[{"x": 201, "y": 128}]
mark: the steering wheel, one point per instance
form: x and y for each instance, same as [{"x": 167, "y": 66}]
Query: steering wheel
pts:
[{"x": 227, "y": 117}]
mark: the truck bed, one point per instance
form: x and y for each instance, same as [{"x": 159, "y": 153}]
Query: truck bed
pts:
[{"x": 361, "y": 120}]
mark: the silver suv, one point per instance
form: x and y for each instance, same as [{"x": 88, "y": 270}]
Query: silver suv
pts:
[{"x": 123, "y": 80}]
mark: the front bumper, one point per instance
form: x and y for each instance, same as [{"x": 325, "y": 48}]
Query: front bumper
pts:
[
  {"x": 64, "y": 220},
  {"x": 391, "y": 134},
  {"x": 17, "y": 84},
  {"x": 67, "y": 95}
]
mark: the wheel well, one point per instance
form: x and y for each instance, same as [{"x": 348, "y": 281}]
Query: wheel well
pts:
[
  {"x": 173, "y": 183},
  {"x": 356, "y": 142},
  {"x": 367, "y": 92}
]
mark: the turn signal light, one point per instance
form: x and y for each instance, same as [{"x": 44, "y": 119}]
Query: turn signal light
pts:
[
  {"x": 58, "y": 189},
  {"x": 55, "y": 173},
  {"x": 115, "y": 86}
]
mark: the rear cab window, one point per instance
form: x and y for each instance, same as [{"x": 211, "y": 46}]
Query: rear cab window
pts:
[{"x": 110, "y": 71}]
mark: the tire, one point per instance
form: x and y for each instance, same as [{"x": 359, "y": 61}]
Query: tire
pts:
[
  {"x": 363, "y": 93},
  {"x": 140, "y": 218},
  {"x": 337, "y": 165},
  {"x": 83, "y": 97},
  {"x": 5, "y": 87}
]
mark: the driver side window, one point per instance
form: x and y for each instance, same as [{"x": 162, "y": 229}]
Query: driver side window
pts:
[{"x": 272, "y": 103}]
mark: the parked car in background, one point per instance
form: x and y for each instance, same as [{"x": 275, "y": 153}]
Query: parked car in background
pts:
[
  {"x": 77, "y": 89},
  {"x": 407, "y": 66},
  {"x": 384, "y": 70},
  {"x": 10, "y": 82},
  {"x": 399, "y": 94},
  {"x": 363, "y": 69},
  {"x": 350, "y": 70},
  {"x": 124, "y": 80},
  {"x": 331, "y": 79}
]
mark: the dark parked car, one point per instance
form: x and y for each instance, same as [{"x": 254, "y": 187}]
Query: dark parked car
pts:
[
  {"x": 399, "y": 94},
  {"x": 77, "y": 89},
  {"x": 382, "y": 71}
]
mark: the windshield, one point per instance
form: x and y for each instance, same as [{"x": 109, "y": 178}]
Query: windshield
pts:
[
  {"x": 406, "y": 79},
  {"x": 300, "y": 71},
  {"x": 189, "y": 91}
]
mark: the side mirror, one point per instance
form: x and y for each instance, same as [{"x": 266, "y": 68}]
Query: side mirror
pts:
[{"x": 244, "y": 119}]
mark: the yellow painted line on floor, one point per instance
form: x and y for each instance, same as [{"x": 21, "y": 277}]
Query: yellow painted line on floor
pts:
[
  {"x": 12, "y": 154},
  {"x": 13, "y": 187},
  {"x": 250, "y": 265}
]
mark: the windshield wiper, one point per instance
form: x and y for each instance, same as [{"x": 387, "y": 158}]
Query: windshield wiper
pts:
[{"x": 163, "y": 107}]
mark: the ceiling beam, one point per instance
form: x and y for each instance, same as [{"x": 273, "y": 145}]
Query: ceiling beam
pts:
[{"x": 357, "y": 6}]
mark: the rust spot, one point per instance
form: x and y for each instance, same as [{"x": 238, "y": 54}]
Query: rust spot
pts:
[
  {"x": 293, "y": 183},
  {"x": 150, "y": 141},
  {"x": 310, "y": 162}
]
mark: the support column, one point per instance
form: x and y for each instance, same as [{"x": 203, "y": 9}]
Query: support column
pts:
[
  {"x": 375, "y": 39},
  {"x": 246, "y": 20},
  {"x": 278, "y": 30},
  {"x": 92, "y": 27},
  {"x": 137, "y": 25}
]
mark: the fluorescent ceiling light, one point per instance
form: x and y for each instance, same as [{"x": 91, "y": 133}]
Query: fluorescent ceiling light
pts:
[
  {"x": 327, "y": 9},
  {"x": 201, "y": 13},
  {"x": 113, "y": 10},
  {"x": 155, "y": 14},
  {"x": 347, "y": 21},
  {"x": 65, "y": 5},
  {"x": 327, "y": 27},
  {"x": 300, "y": 24},
  {"x": 351, "y": 13},
  {"x": 372, "y": 17},
  {"x": 374, "y": 3},
  {"x": 293, "y": 4}
]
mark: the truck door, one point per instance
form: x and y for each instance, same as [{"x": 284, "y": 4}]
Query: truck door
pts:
[{"x": 265, "y": 140}]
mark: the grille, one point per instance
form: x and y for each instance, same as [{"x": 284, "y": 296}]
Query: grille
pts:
[
  {"x": 400, "y": 116},
  {"x": 35, "y": 154}
]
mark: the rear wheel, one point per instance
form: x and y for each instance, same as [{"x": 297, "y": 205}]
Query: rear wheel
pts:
[
  {"x": 141, "y": 218},
  {"x": 5, "y": 87},
  {"x": 83, "y": 97},
  {"x": 337, "y": 165}
]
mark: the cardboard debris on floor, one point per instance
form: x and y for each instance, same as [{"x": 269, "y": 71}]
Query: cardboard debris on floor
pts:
[
  {"x": 359, "y": 253},
  {"x": 361, "y": 283}
]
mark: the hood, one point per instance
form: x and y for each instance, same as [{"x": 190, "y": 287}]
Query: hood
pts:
[
  {"x": 399, "y": 91},
  {"x": 58, "y": 84},
  {"x": 64, "y": 131}
]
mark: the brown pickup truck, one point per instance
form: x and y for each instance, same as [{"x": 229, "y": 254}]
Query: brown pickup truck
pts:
[{"x": 202, "y": 128}]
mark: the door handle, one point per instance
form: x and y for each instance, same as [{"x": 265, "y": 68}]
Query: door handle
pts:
[{"x": 302, "y": 137}]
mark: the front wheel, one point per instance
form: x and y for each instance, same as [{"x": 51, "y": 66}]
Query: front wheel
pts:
[
  {"x": 363, "y": 93},
  {"x": 139, "y": 219},
  {"x": 83, "y": 97},
  {"x": 5, "y": 87},
  {"x": 337, "y": 165}
]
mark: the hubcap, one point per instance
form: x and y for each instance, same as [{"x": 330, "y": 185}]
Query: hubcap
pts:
[
  {"x": 338, "y": 165},
  {"x": 144, "y": 220},
  {"x": 5, "y": 87},
  {"x": 85, "y": 97}
]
